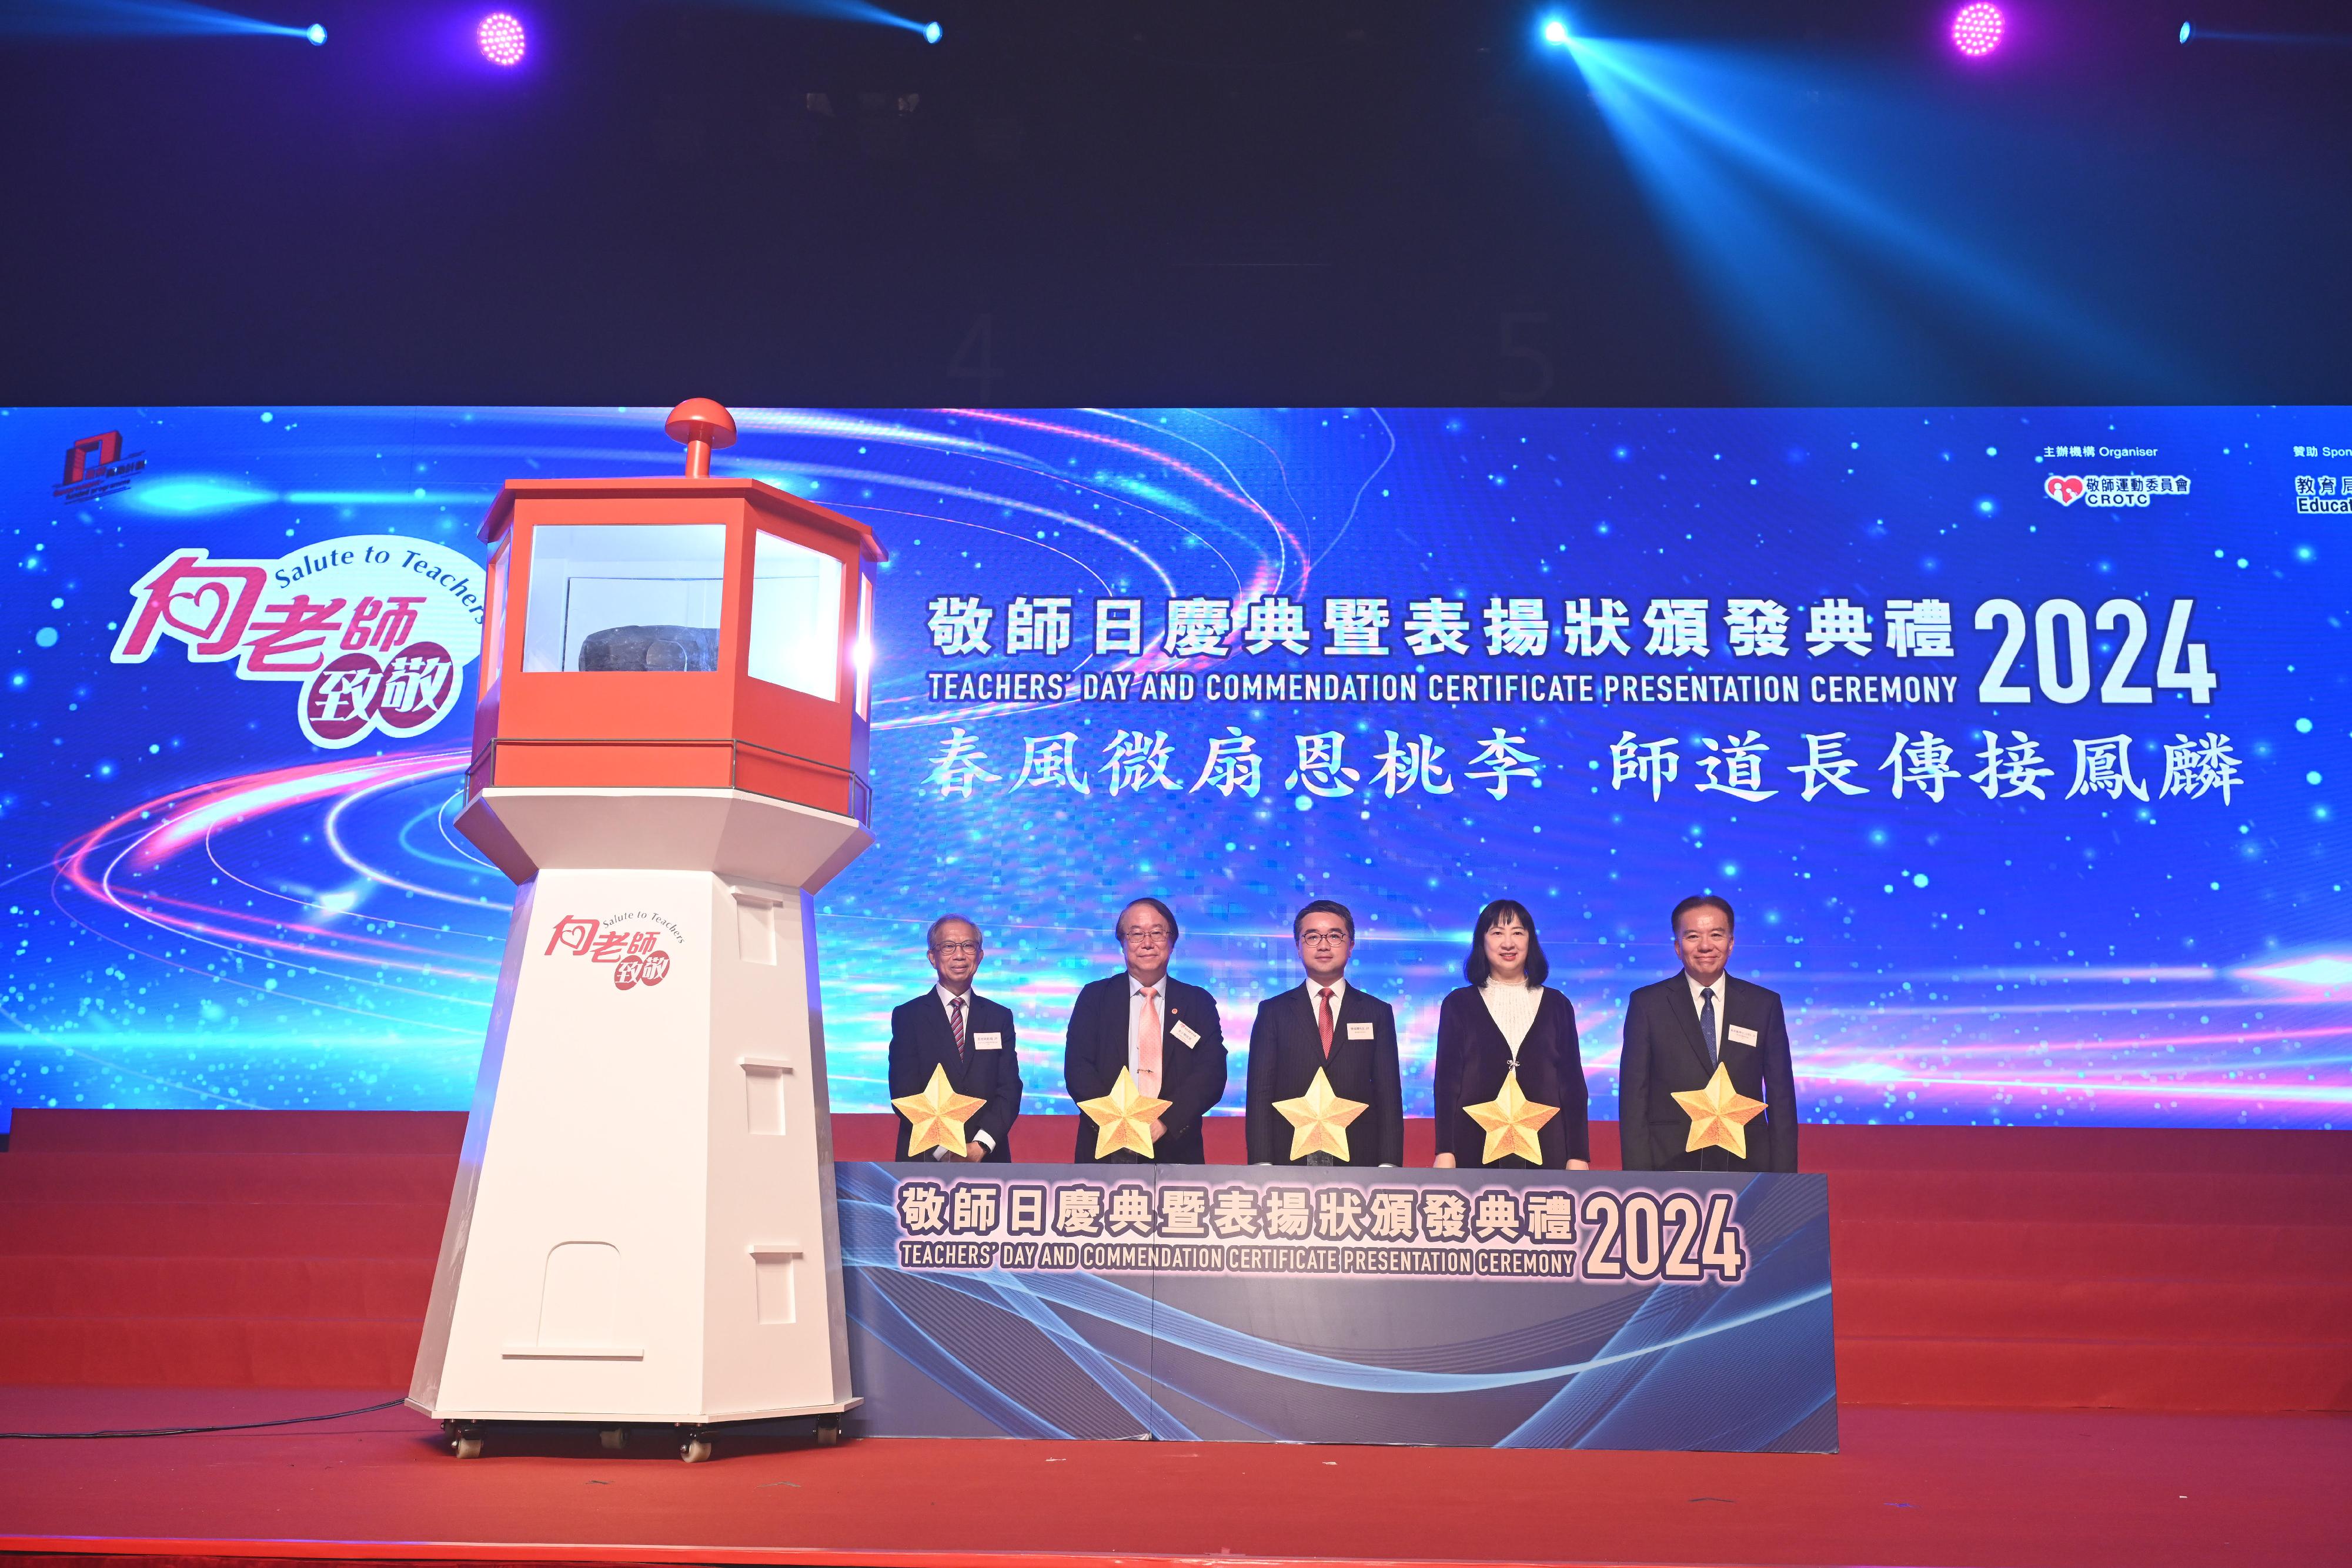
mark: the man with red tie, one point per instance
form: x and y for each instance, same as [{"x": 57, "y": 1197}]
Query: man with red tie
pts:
[
  {"x": 952, "y": 1026},
  {"x": 1325, "y": 1025},
  {"x": 1163, "y": 1030}
]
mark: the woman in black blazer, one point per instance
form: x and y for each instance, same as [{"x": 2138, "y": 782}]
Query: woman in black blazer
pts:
[{"x": 1506, "y": 1018}]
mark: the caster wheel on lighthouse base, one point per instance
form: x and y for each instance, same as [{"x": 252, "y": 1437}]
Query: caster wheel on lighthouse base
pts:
[
  {"x": 464, "y": 1438},
  {"x": 696, "y": 1448},
  {"x": 828, "y": 1431},
  {"x": 613, "y": 1438}
]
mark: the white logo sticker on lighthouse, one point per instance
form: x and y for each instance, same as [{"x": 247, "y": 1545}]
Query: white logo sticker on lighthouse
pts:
[{"x": 378, "y": 629}]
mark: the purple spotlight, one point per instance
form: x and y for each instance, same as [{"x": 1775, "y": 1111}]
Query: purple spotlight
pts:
[
  {"x": 1976, "y": 29},
  {"x": 501, "y": 37}
]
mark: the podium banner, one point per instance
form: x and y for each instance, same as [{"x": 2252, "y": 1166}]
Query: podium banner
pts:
[{"x": 1519, "y": 1309}]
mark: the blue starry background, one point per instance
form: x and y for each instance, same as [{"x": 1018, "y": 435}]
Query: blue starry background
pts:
[{"x": 326, "y": 940}]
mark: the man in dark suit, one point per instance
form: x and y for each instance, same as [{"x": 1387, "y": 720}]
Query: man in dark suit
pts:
[
  {"x": 1326, "y": 1024},
  {"x": 1675, "y": 1033},
  {"x": 1161, "y": 1029},
  {"x": 955, "y": 1027}
]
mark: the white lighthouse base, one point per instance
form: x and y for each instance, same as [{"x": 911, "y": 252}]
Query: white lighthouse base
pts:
[{"x": 643, "y": 1228}]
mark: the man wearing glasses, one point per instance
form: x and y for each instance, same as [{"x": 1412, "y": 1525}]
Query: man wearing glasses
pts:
[
  {"x": 1163, "y": 1030},
  {"x": 1329, "y": 1024},
  {"x": 955, "y": 1027}
]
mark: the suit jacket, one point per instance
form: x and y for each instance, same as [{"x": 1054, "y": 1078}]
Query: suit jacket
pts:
[
  {"x": 920, "y": 1040},
  {"x": 1285, "y": 1050},
  {"x": 1665, "y": 1054},
  {"x": 1192, "y": 1077},
  {"x": 1472, "y": 1059}
]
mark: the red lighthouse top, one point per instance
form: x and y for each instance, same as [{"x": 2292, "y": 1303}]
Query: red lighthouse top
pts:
[
  {"x": 703, "y": 427},
  {"x": 678, "y": 633}
]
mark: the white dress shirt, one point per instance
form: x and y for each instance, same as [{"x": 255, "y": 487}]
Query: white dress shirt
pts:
[{"x": 946, "y": 998}]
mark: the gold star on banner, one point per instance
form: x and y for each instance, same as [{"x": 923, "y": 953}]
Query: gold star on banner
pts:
[
  {"x": 1719, "y": 1115},
  {"x": 937, "y": 1115},
  {"x": 1123, "y": 1117},
  {"x": 1511, "y": 1120},
  {"x": 1319, "y": 1120}
]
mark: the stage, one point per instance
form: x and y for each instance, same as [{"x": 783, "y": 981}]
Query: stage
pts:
[
  {"x": 1275, "y": 590},
  {"x": 2090, "y": 1489},
  {"x": 2137, "y": 1269},
  {"x": 1993, "y": 1285}
]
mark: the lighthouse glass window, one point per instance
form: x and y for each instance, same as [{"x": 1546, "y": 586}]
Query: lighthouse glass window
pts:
[
  {"x": 795, "y": 617},
  {"x": 624, "y": 597}
]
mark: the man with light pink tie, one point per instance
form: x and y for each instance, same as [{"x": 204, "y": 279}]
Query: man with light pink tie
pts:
[{"x": 1161, "y": 1029}]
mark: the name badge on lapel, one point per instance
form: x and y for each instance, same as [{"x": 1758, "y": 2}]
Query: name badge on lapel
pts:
[
  {"x": 993, "y": 1039},
  {"x": 1185, "y": 1032},
  {"x": 1359, "y": 1032},
  {"x": 1741, "y": 1034}
]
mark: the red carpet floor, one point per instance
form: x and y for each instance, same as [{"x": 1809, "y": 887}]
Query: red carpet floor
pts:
[
  {"x": 214, "y": 1267},
  {"x": 1975, "y": 1266},
  {"x": 1981, "y": 1489}
]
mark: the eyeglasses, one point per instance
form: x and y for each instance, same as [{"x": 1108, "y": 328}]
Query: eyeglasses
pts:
[
  {"x": 1142, "y": 934},
  {"x": 951, "y": 949},
  {"x": 1323, "y": 938}
]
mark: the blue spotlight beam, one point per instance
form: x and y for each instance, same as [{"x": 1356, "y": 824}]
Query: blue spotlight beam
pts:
[
  {"x": 161, "y": 19},
  {"x": 852, "y": 11},
  {"x": 1710, "y": 138},
  {"x": 1783, "y": 298},
  {"x": 2191, "y": 33}
]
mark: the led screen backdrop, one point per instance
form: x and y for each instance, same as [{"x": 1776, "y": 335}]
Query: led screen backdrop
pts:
[{"x": 2015, "y": 736}]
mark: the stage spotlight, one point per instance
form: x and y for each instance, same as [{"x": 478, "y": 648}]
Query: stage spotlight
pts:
[
  {"x": 930, "y": 32},
  {"x": 1976, "y": 29},
  {"x": 101, "y": 18},
  {"x": 1555, "y": 32},
  {"x": 2208, "y": 36},
  {"x": 501, "y": 38}
]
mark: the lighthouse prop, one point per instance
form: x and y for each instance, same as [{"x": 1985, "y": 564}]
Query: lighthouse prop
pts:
[{"x": 670, "y": 758}]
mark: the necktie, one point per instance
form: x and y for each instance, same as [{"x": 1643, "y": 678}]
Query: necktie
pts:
[
  {"x": 955, "y": 1027},
  {"x": 1706, "y": 1020},
  {"x": 1147, "y": 1046},
  {"x": 1325, "y": 1023}
]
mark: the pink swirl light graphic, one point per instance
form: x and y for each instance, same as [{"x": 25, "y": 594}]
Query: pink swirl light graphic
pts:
[{"x": 130, "y": 864}]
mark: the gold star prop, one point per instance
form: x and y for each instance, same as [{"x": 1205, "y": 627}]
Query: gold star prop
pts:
[
  {"x": 1719, "y": 1115},
  {"x": 1319, "y": 1120},
  {"x": 937, "y": 1115},
  {"x": 1123, "y": 1117},
  {"x": 1511, "y": 1120}
]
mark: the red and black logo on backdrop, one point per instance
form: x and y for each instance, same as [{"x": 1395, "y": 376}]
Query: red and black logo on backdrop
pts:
[{"x": 97, "y": 465}]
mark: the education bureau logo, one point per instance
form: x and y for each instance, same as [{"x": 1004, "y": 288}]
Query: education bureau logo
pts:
[
  {"x": 97, "y": 465},
  {"x": 375, "y": 628},
  {"x": 2323, "y": 493},
  {"x": 2108, "y": 489}
]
